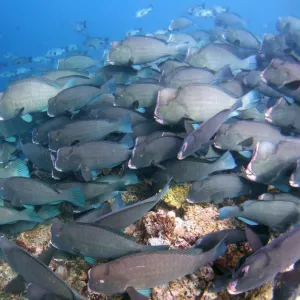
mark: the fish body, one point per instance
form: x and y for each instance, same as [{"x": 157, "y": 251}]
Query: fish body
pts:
[
  {"x": 197, "y": 102},
  {"x": 229, "y": 19},
  {"x": 55, "y": 52},
  {"x": 244, "y": 135},
  {"x": 216, "y": 188},
  {"x": 91, "y": 156},
  {"x": 144, "y": 11},
  {"x": 215, "y": 56},
  {"x": 94, "y": 241},
  {"x": 26, "y": 96},
  {"x": 24, "y": 191},
  {"x": 86, "y": 131},
  {"x": 80, "y": 62},
  {"x": 147, "y": 270},
  {"x": 263, "y": 265},
  {"x": 146, "y": 151},
  {"x": 180, "y": 23}
]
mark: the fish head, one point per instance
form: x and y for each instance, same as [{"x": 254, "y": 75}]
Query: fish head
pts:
[
  {"x": 54, "y": 138},
  {"x": 104, "y": 280},
  {"x": 168, "y": 110},
  {"x": 55, "y": 107},
  {"x": 119, "y": 55},
  {"x": 67, "y": 160},
  {"x": 140, "y": 157},
  {"x": 275, "y": 74},
  {"x": 278, "y": 113},
  {"x": 252, "y": 273}
]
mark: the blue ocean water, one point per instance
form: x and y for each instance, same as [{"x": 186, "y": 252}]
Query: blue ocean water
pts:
[{"x": 30, "y": 28}]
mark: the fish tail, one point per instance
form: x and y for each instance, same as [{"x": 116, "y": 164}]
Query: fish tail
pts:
[
  {"x": 32, "y": 215},
  {"x": 130, "y": 178},
  {"x": 250, "y": 100},
  {"x": 127, "y": 141},
  {"x": 250, "y": 63},
  {"x": 21, "y": 169},
  {"x": 48, "y": 212},
  {"x": 219, "y": 249},
  {"x": 76, "y": 196},
  {"x": 225, "y": 162},
  {"x": 124, "y": 125},
  {"x": 229, "y": 211},
  {"x": 224, "y": 74}
]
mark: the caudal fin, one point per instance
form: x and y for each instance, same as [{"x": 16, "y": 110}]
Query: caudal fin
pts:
[
  {"x": 130, "y": 178},
  {"x": 250, "y": 100},
  {"x": 48, "y": 212},
  {"x": 124, "y": 125},
  {"x": 229, "y": 211},
  {"x": 32, "y": 215},
  {"x": 76, "y": 196},
  {"x": 225, "y": 162},
  {"x": 250, "y": 63}
]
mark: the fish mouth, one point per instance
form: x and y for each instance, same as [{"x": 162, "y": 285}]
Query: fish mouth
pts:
[
  {"x": 50, "y": 115},
  {"x": 131, "y": 166},
  {"x": 262, "y": 78},
  {"x": 268, "y": 115},
  {"x": 249, "y": 174},
  {"x": 217, "y": 146},
  {"x": 293, "y": 183},
  {"x": 261, "y": 197},
  {"x": 57, "y": 168},
  {"x": 231, "y": 288},
  {"x": 158, "y": 120},
  {"x": 180, "y": 155}
]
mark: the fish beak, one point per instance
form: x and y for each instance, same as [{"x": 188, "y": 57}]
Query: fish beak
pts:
[
  {"x": 180, "y": 156},
  {"x": 130, "y": 166},
  {"x": 231, "y": 288},
  {"x": 263, "y": 79},
  {"x": 249, "y": 174},
  {"x": 160, "y": 121},
  {"x": 268, "y": 115}
]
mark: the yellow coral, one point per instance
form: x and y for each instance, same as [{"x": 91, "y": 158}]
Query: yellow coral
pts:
[{"x": 176, "y": 196}]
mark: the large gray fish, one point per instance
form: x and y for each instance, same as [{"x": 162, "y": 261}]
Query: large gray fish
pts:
[
  {"x": 229, "y": 19},
  {"x": 147, "y": 270},
  {"x": 25, "y": 191},
  {"x": 80, "y": 62},
  {"x": 284, "y": 77},
  {"x": 9, "y": 215},
  {"x": 292, "y": 22},
  {"x": 215, "y": 56},
  {"x": 86, "y": 131},
  {"x": 272, "y": 161},
  {"x": 267, "y": 262},
  {"x": 139, "y": 50},
  {"x": 170, "y": 65},
  {"x": 216, "y": 188},
  {"x": 284, "y": 114},
  {"x": 21, "y": 261},
  {"x": 91, "y": 157},
  {"x": 137, "y": 95},
  {"x": 274, "y": 214},
  {"x": 190, "y": 170},
  {"x": 154, "y": 148},
  {"x": 197, "y": 102},
  {"x": 180, "y": 23},
  {"x": 72, "y": 99},
  {"x": 38, "y": 155},
  {"x": 40, "y": 133},
  {"x": 129, "y": 214},
  {"x": 26, "y": 96},
  {"x": 242, "y": 38},
  {"x": 95, "y": 241},
  {"x": 243, "y": 135},
  {"x": 201, "y": 136},
  {"x": 274, "y": 46},
  {"x": 182, "y": 76}
]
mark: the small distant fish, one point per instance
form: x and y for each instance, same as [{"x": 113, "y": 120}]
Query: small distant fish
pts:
[
  {"x": 7, "y": 74},
  {"x": 144, "y": 11},
  {"x": 24, "y": 191},
  {"x": 22, "y": 71},
  {"x": 80, "y": 62},
  {"x": 134, "y": 32},
  {"x": 55, "y": 52},
  {"x": 95, "y": 42},
  {"x": 161, "y": 31},
  {"x": 92, "y": 241},
  {"x": 274, "y": 258},
  {"x": 80, "y": 26},
  {"x": 9, "y": 55},
  {"x": 158, "y": 268},
  {"x": 218, "y": 9},
  {"x": 42, "y": 59},
  {"x": 21, "y": 61},
  {"x": 72, "y": 48},
  {"x": 180, "y": 23}
]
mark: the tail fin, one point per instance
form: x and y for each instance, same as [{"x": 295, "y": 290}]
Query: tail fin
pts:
[
  {"x": 127, "y": 141},
  {"x": 48, "y": 212},
  {"x": 219, "y": 249},
  {"x": 229, "y": 211},
  {"x": 250, "y": 100},
  {"x": 32, "y": 215},
  {"x": 250, "y": 63},
  {"x": 223, "y": 74},
  {"x": 109, "y": 87},
  {"x": 225, "y": 162},
  {"x": 130, "y": 178},
  {"x": 76, "y": 196},
  {"x": 124, "y": 125}
]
